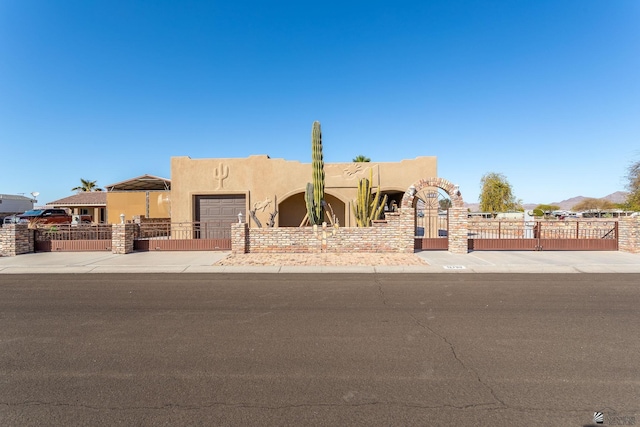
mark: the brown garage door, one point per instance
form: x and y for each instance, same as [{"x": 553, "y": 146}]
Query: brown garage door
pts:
[{"x": 219, "y": 212}]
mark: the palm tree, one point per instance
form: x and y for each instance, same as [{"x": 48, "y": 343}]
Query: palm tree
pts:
[
  {"x": 86, "y": 186},
  {"x": 361, "y": 159}
]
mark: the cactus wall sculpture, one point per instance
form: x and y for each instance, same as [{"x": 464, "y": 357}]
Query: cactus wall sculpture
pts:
[
  {"x": 367, "y": 207},
  {"x": 314, "y": 195},
  {"x": 221, "y": 174}
]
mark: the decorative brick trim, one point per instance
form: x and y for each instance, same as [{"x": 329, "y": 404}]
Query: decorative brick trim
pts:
[{"x": 447, "y": 186}]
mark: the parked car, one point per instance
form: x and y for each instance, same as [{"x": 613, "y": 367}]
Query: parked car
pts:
[
  {"x": 11, "y": 219},
  {"x": 53, "y": 216}
]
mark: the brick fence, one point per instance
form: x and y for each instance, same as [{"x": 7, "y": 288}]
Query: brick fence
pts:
[
  {"x": 629, "y": 234},
  {"x": 458, "y": 232},
  {"x": 16, "y": 239},
  {"x": 394, "y": 234},
  {"x": 122, "y": 237}
]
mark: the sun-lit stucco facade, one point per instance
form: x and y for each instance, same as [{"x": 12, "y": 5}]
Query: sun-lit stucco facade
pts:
[{"x": 266, "y": 183}]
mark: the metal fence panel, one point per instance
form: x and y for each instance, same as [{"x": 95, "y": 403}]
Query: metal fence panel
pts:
[{"x": 543, "y": 235}]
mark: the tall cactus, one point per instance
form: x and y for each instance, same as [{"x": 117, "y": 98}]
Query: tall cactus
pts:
[
  {"x": 366, "y": 207},
  {"x": 315, "y": 195}
]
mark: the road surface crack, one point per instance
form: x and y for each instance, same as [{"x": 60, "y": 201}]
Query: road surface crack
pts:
[
  {"x": 381, "y": 292},
  {"x": 460, "y": 361}
]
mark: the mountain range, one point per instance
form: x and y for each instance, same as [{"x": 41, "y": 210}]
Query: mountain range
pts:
[{"x": 617, "y": 197}]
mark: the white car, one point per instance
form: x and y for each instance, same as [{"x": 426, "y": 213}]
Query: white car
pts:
[{"x": 12, "y": 219}]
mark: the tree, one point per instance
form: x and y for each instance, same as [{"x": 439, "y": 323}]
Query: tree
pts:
[
  {"x": 86, "y": 185},
  {"x": 496, "y": 194},
  {"x": 541, "y": 210},
  {"x": 593, "y": 204},
  {"x": 445, "y": 204},
  {"x": 361, "y": 159},
  {"x": 633, "y": 185}
]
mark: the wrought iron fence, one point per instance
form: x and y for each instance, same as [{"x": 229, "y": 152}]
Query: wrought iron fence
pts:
[
  {"x": 183, "y": 231},
  {"x": 45, "y": 233},
  {"x": 544, "y": 230}
]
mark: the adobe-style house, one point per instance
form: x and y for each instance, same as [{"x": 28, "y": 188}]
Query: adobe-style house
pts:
[{"x": 218, "y": 189}]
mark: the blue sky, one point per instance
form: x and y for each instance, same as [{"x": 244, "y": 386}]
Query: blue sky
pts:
[{"x": 545, "y": 92}]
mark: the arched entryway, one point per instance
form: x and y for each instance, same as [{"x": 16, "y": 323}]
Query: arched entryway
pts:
[
  {"x": 291, "y": 211},
  {"x": 394, "y": 199},
  {"x": 432, "y": 201}
]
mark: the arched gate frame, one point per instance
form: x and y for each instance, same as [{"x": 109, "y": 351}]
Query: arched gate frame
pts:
[{"x": 457, "y": 233}]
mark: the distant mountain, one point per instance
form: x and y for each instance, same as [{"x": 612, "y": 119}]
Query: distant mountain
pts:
[{"x": 617, "y": 197}]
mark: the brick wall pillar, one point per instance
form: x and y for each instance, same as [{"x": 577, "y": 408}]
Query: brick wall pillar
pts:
[
  {"x": 458, "y": 230},
  {"x": 239, "y": 238},
  {"x": 629, "y": 234},
  {"x": 122, "y": 236},
  {"x": 16, "y": 239},
  {"x": 404, "y": 228}
]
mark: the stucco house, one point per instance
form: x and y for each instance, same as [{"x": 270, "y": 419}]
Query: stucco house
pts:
[
  {"x": 145, "y": 195},
  {"x": 93, "y": 203},
  {"x": 218, "y": 189}
]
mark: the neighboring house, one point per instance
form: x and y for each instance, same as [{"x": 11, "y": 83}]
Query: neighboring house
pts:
[
  {"x": 146, "y": 195},
  {"x": 13, "y": 205},
  {"x": 93, "y": 203},
  {"x": 217, "y": 190}
]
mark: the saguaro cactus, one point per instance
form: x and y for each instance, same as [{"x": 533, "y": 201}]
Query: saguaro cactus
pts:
[
  {"x": 366, "y": 207},
  {"x": 314, "y": 195}
]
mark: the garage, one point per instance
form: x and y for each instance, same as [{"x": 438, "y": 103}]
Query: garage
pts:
[{"x": 216, "y": 214}]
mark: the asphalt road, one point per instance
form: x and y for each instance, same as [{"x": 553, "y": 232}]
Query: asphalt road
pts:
[{"x": 319, "y": 349}]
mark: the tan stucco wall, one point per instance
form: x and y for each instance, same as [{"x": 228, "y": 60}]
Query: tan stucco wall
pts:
[
  {"x": 133, "y": 203},
  {"x": 261, "y": 179}
]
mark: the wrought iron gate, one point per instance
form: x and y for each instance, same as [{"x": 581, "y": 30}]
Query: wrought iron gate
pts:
[
  {"x": 432, "y": 220},
  {"x": 72, "y": 238},
  {"x": 575, "y": 235},
  {"x": 184, "y": 236}
]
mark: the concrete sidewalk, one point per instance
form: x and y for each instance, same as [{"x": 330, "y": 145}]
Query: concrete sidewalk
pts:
[{"x": 436, "y": 262}]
